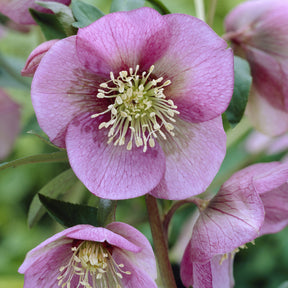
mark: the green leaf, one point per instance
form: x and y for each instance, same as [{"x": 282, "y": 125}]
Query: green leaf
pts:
[
  {"x": 56, "y": 187},
  {"x": 63, "y": 14},
  {"x": 84, "y": 13},
  {"x": 242, "y": 84},
  {"x": 126, "y": 5},
  {"x": 44, "y": 139},
  {"x": 159, "y": 6},
  {"x": 68, "y": 214},
  {"x": 49, "y": 24},
  {"x": 60, "y": 156},
  {"x": 106, "y": 211}
]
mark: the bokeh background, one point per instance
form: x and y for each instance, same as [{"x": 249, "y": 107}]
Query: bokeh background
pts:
[{"x": 264, "y": 264}]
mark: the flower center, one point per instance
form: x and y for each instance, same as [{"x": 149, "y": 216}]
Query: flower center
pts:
[
  {"x": 139, "y": 107},
  {"x": 94, "y": 267}
]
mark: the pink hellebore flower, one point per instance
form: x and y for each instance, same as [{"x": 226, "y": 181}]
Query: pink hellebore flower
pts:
[
  {"x": 9, "y": 123},
  {"x": 86, "y": 256},
  {"x": 136, "y": 99},
  {"x": 253, "y": 202},
  {"x": 258, "y": 32},
  {"x": 18, "y": 10}
]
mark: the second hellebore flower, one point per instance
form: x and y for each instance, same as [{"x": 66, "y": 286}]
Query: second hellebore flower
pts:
[
  {"x": 136, "y": 99},
  {"x": 258, "y": 32},
  {"x": 251, "y": 203},
  {"x": 85, "y": 256}
]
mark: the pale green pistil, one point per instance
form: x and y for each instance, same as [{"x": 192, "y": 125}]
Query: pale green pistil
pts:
[{"x": 139, "y": 106}]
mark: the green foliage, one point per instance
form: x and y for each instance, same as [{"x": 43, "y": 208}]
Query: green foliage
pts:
[
  {"x": 63, "y": 14},
  {"x": 56, "y": 187},
  {"x": 126, "y": 5},
  {"x": 242, "y": 83},
  {"x": 60, "y": 156},
  {"x": 159, "y": 6},
  {"x": 84, "y": 13},
  {"x": 68, "y": 214},
  {"x": 106, "y": 211},
  {"x": 49, "y": 24}
]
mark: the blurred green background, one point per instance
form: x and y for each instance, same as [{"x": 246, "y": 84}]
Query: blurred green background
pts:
[{"x": 264, "y": 265}]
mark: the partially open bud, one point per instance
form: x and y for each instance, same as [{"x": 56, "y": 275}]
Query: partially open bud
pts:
[{"x": 35, "y": 58}]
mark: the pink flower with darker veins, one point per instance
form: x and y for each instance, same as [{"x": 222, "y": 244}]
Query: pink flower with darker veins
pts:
[
  {"x": 18, "y": 10},
  {"x": 253, "y": 202},
  {"x": 86, "y": 256},
  {"x": 136, "y": 99},
  {"x": 258, "y": 32}
]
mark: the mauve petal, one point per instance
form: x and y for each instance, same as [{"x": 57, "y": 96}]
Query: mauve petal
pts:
[
  {"x": 233, "y": 218},
  {"x": 18, "y": 10},
  {"x": 139, "y": 278},
  {"x": 264, "y": 117},
  {"x": 99, "y": 234},
  {"x": 45, "y": 267},
  {"x": 9, "y": 123},
  {"x": 110, "y": 171},
  {"x": 35, "y": 57},
  {"x": 61, "y": 89},
  {"x": 193, "y": 158},
  {"x": 263, "y": 25},
  {"x": 199, "y": 67},
  {"x": 186, "y": 268},
  {"x": 270, "y": 77},
  {"x": 140, "y": 37},
  {"x": 276, "y": 210},
  {"x": 144, "y": 259}
]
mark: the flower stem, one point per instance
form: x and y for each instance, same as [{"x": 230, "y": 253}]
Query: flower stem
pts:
[
  {"x": 160, "y": 243},
  {"x": 211, "y": 13},
  {"x": 200, "y": 10}
]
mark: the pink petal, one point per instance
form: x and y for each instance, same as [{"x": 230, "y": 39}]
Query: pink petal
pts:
[
  {"x": 233, "y": 218},
  {"x": 68, "y": 90},
  {"x": 9, "y": 123},
  {"x": 35, "y": 57},
  {"x": 200, "y": 67},
  {"x": 264, "y": 117},
  {"x": 209, "y": 275},
  {"x": 145, "y": 258},
  {"x": 18, "y": 10},
  {"x": 193, "y": 157},
  {"x": 140, "y": 37},
  {"x": 139, "y": 277},
  {"x": 276, "y": 210},
  {"x": 110, "y": 171},
  {"x": 270, "y": 76}
]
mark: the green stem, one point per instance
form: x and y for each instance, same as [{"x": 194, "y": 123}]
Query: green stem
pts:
[
  {"x": 160, "y": 243},
  {"x": 211, "y": 13},
  {"x": 163, "y": 9},
  {"x": 200, "y": 10}
]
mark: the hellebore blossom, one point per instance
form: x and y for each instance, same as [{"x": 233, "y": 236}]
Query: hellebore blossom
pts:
[
  {"x": 18, "y": 10},
  {"x": 86, "y": 256},
  {"x": 258, "y": 32},
  {"x": 9, "y": 123},
  {"x": 253, "y": 202},
  {"x": 136, "y": 99}
]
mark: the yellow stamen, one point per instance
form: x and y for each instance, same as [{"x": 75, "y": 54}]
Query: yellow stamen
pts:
[
  {"x": 93, "y": 266},
  {"x": 140, "y": 108}
]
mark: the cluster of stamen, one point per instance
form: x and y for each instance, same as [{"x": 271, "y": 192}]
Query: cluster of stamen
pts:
[
  {"x": 140, "y": 107},
  {"x": 225, "y": 256},
  {"x": 93, "y": 267}
]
